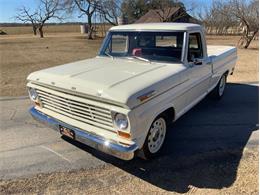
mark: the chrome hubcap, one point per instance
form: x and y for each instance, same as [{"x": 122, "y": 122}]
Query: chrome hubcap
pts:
[
  {"x": 222, "y": 85},
  {"x": 156, "y": 135}
]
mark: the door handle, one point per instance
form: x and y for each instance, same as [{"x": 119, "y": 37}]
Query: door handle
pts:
[{"x": 197, "y": 61}]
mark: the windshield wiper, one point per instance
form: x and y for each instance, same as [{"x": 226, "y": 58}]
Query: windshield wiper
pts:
[{"x": 140, "y": 58}]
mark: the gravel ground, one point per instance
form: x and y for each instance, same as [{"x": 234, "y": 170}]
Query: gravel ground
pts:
[{"x": 187, "y": 175}]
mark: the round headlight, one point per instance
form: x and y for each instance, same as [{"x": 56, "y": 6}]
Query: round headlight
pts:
[
  {"x": 121, "y": 121},
  {"x": 33, "y": 94}
]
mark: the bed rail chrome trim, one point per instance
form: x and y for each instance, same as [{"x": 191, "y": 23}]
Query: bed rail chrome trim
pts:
[{"x": 94, "y": 141}]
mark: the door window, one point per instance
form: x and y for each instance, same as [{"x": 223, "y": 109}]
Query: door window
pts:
[
  {"x": 118, "y": 45},
  {"x": 195, "y": 49}
]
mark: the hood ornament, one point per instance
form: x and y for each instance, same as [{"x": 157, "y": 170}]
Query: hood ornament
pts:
[{"x": 99, "y": 93}]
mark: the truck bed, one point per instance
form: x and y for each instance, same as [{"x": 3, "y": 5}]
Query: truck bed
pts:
[{"x": 222, "y": 57}]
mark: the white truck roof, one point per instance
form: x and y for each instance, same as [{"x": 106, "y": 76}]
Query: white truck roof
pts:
[{"x": 157, "y": 26}]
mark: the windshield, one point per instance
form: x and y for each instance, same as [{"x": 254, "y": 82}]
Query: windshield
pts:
[{"x": 150, "y": 46}]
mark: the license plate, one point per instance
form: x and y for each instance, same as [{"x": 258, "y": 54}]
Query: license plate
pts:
[{"x": 67, "y": 132}]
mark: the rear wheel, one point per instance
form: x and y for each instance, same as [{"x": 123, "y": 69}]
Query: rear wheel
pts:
[
  {"x": 219, "y": 90},
  {"x": 155, "y": 138}
]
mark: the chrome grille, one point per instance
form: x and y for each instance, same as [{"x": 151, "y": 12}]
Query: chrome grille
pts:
[{"x": 80, "y": 111}]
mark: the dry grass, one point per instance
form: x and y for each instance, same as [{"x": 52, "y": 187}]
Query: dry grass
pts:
[
  {"x": 23, "y": 54},
  {"x": 65, "y": 28},
  {"x": 13, "y": 30}
]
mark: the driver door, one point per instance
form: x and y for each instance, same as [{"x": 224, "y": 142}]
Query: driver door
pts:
[{"x": 199, "y": 70}]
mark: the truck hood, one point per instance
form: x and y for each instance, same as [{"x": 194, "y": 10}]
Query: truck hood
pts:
[{"x": 117, "y": 80}]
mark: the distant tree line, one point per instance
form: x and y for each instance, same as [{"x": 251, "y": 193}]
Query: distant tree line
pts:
[
  {"x": 16, "y": 24},
  {"x": 107, "y": 11},
  {"x": 222, "y": 16}
]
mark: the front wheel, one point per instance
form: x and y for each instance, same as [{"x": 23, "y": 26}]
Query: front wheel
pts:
[
  {"x": 219, "y": 90},
  {"x": 155, "y": 138}
]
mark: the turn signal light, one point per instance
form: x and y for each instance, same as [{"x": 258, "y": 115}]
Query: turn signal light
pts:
[
  {"x": 124, "y": 134},
  {"x": 37, "y": 104}
]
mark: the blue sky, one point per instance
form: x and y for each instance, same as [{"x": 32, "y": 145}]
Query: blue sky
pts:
[{"x": 8, "y": 9}]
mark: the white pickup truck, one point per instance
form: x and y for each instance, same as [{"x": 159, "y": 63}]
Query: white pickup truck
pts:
[{"x": 145, "y": 76}]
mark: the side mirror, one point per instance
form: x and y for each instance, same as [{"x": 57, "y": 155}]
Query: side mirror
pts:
[{"x": 198, "y": 61}]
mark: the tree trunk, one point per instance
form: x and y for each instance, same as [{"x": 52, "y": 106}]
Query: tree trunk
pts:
[
  {"x": 90, "y": 32},
  {"x": 41, "y": 31},
  {"x": 247, "y": 36},
  {"x": 249, "y": 39},
  {"x": 34, "y": 30},
  {"x": 90, "y": 27}
]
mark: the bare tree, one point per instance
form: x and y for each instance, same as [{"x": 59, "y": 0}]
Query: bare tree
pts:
[
  {"x": 88, "y": 7},
  {"x": 217, "y": 22},
  {"x": 165, "y": 14},
  {"x": 25, "y": 16},
  {"x": 247, "y": 14},
  {"x": 110, "y": 10},
  {"x": 224, "y": 15},
  {"x": 48, "y": 9},
  {"x": 165, "y": 8}
]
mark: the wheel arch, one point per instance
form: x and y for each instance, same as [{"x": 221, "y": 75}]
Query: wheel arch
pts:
[{"x": 168, "y": 111}]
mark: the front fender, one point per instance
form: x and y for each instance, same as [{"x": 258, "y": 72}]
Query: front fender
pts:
[{"x": 145, "y": 115}]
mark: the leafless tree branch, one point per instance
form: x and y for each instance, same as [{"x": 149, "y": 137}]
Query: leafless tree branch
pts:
[
  {"x": 25, "y": 16},
  {"x": 224, "y": 15},
  {"x": 48, "y": 9},
  {"x": 88, "y": 7}
]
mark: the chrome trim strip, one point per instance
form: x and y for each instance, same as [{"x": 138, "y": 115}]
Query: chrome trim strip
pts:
[
  {"x": 147, "y": 30},
  {"x": 94, "y": 141},
  {"x": 184, "y": 46}
]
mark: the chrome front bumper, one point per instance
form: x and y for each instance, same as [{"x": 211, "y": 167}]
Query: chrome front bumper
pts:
[{"x": 94, "y": 141}]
